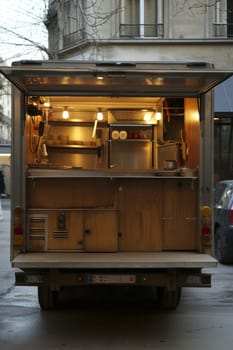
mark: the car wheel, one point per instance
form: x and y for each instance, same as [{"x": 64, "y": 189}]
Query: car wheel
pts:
[
  {"x": 47, "y": 298},
  {"x": 221, "y": 253},
  {"x": 168, "y": 299}
]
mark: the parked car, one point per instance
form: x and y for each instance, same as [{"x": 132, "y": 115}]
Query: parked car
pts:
[{"x": 223, "y": 221}]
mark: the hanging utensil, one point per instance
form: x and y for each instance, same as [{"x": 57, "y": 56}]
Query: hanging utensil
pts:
[
  {"x": 94, "y": 129},
  {"x": 183, "y": 147}
]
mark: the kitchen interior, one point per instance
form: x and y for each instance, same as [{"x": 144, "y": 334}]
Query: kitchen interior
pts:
[
  {"x": 135, "y": 134},
  {"x": 108, "y": 174}
]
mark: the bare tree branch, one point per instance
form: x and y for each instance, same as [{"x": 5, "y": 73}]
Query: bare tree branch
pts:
[
  {"x": 27, "y": 40},
  {"x": 21, "y": 27},
  {"x": 190, "y": 6}
]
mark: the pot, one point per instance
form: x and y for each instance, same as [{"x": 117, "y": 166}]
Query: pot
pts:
[
  {"x": 170, "y": 164},
  {"x": 188, "y": 172}
]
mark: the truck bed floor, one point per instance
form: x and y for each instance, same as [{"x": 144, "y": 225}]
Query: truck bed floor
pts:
[{"x": 141, "y": 260}]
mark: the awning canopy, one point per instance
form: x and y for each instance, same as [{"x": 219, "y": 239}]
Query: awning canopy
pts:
[{"x": 114, "y": 78}]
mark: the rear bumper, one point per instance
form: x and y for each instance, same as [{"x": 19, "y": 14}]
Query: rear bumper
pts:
[{"x": 170, "y": 278}]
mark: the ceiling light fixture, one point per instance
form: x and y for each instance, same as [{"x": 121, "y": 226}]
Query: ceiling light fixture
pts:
[
  {"x": 47, "y": 104},
  {"x": 65, "y": 113},
  {"x": 99, "y": 115},
  {"x": 147, "y": 116},
  {"x": 158, "y": 115}
]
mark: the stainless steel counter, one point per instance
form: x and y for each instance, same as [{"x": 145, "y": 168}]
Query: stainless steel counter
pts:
[{"x": 66, "y": 171}]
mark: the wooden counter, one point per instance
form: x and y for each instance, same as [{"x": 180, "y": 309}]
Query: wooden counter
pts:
[{"x": 112, "y": 210}]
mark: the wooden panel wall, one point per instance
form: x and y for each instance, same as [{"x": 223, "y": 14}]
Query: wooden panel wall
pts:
[
  {"x": 192, "y": 131},
  {"x": 71, "y": 193}
]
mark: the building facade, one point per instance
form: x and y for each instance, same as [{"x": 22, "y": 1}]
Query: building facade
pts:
[{"x": 150, "y": 30}]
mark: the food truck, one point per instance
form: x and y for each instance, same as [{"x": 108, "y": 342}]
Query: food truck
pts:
[{"x": 112, "y": 175}]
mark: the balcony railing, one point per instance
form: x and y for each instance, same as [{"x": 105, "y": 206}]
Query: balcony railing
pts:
[
  {"x": 131, "y": 31},
  {"x": 74, "y": 38},
  {"x": 223, "y": 30},
  {"x": 141, "y": 30},
  {"x": 126, "y": 31}
]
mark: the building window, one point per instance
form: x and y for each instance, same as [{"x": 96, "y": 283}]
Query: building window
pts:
[
  {"x": 70, "y": 17},
  {"x": 229, "y": 18},
  {"x": 73, "y": 23},
  {"x": 142, "y": 18},
  {"x": 223, "y": 145},
  {"x": 223, "y": 20}
]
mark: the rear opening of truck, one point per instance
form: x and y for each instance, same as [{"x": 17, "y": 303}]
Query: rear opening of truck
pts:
[{"x": 112, "y": 175}]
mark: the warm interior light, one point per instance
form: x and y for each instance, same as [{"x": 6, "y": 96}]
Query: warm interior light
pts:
[
  {"x": 65, "y": 113},
  {"x": 158, "y": 115},
  {"x": 47, "y": 104},
  {"x": 99, "y": 115},
  {"x": 147, "y": 116}
]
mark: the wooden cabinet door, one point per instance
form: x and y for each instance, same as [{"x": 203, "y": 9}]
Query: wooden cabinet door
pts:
[
  {"x": 139, "y": 203},
  {"x": 180, "y": 214},
  {"x": 100, "y": 231},
  {"x": 66, "y": 234},
  {"x": 94, "y": 230}
]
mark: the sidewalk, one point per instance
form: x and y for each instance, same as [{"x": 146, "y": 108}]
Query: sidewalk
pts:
[{"x": 6, "y": 272}]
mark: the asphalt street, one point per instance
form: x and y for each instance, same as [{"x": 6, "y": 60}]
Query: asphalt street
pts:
[{"x": 109, "y": 319}]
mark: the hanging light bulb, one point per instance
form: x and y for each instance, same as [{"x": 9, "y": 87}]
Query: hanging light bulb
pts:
[
  {"x": 99, "y": 115},
  {"x": 158, "y": 115},
  {"x": 65, "y": 113},
  {"x": 47, "y": 104},
  {"x": 147, "y": 116}
]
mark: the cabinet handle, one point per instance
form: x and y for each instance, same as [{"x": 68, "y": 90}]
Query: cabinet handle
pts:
[{"x": 87, "y": 231}]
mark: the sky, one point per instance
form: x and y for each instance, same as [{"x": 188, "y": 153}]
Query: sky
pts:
[{"x": 24, "y": 17}]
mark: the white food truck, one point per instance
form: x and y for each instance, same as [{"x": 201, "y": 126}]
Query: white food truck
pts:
[{"x": 112, "y": 175}]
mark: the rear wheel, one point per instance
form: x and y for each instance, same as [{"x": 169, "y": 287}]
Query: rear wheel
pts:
[
  {"x": 169, "y": 299},
  {"x": 47, "y": 298}
]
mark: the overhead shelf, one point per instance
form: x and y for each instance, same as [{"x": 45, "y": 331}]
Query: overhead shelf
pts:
[{"x": 88, "y": 147}]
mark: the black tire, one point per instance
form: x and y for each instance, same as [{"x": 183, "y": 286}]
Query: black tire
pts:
[
  {"x": 47, "y": 298},
  {"x": 220, "y": 249},
  {"x": 168, "y": 299}
]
